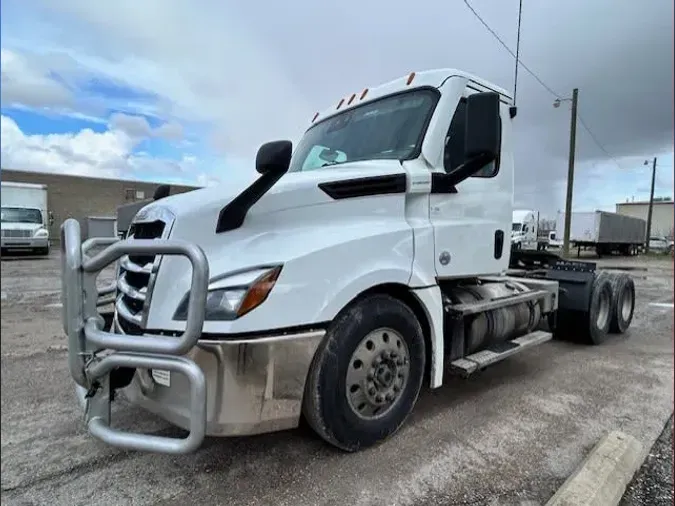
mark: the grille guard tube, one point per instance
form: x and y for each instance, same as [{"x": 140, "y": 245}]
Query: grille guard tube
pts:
[{"x": 84, "y": 327}]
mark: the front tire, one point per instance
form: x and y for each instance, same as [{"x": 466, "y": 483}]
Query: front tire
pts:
[{"x": 367, "y": 373}]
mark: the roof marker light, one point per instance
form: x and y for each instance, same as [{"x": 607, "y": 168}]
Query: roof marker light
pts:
[
  {"x": 315, "y": 116},
  {"x": 364, "y": 93},
  {"x": 410, "y": 78},
  {"x": 351, "y": 99},
  {"x": 342, "y": 101}
]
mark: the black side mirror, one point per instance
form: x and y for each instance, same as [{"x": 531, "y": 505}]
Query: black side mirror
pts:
[
  {"x": 274, "y": 157},
  {"x": 483, "y": 126},
  {"x": 483, "y": 135}
]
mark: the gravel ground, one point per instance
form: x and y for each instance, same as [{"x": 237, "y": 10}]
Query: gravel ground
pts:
[
  {"x": 653, "y": 484},
  {"x": 509, "y": 436}
]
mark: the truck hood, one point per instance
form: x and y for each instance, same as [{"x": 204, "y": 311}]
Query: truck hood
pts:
[
  {"x": 293, "y": 190},
  {"x": 294, "y": 219},
  {"x": 21, "y": 226}
]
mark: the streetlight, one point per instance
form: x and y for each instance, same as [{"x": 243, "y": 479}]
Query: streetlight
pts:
[{"x": 570, "y": 167}]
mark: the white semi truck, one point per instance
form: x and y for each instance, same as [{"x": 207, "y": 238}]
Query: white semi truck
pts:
[
  {"x": 368, "y": 262},
  {"x": 25, "y": 217},
  {"x": 525, "y": 231}
]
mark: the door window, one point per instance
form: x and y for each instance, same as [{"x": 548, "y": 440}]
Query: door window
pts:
[{"x": 454, "y": 145}]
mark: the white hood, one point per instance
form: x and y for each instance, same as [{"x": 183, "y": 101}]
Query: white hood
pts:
[
  {"x": 296, "y": 189},
  {"x": 22, "y": 226}
]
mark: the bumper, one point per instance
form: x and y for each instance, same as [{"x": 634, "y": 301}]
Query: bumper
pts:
[
  {"x": 222, "y": 388},
  {"x": 253, "y": 386},
  {"x": 24, "y": 242}
]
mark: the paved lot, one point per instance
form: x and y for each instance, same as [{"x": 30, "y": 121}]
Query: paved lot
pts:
[{"x": 509, "y": 436}]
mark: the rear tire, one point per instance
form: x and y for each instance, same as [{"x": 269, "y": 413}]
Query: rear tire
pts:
[
  {"x": 357, "y": 394},
  {"x": 595, "y": 323},
  {"x": 623, "y": 303},
  {"x": 590, "y": 326}
]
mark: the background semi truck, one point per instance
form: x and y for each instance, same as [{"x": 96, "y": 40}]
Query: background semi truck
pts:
[
  {"x": 371, "y": 260},
  {"x": 25, "y": 217},
  {"x": 605, "y": 232},
  {"x": 525, "y": 233}
]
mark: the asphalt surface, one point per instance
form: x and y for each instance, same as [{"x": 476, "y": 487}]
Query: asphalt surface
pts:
[
  {"x": 508, "y": 436},
  {"x": 653, "y": 483}
]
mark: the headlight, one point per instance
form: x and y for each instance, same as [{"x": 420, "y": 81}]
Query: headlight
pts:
[
  {"x": 234, "y": 295},
  {"x": 41, "y": 232}
]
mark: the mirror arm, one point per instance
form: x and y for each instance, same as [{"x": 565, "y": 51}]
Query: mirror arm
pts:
[
  {"x": 468, "y": 168},
  {"x": 232, "y": 215}
]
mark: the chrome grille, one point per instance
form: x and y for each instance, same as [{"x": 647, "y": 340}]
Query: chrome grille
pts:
[
  {"x": 136, "y": 274},
  {"x": 17, "y": 233}
]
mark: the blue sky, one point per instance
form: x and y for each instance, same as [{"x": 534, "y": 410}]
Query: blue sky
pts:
[{"x": 186, "y": 91}]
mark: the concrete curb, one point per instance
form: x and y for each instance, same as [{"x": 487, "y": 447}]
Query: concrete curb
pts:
[{"x": 602, "y": 477}]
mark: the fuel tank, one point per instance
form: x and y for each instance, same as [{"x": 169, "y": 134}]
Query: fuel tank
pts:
[{"x": 497, "y": 325}]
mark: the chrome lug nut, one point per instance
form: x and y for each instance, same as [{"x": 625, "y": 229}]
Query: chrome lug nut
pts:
[{"x": 379, "y": 398}]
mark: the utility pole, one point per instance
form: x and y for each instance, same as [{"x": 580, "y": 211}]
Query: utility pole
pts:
[
  {"x": 570, "y": 174},
  {"x": 651, "y": 205}
]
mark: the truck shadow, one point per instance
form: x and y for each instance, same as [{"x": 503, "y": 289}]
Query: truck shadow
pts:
[{"x": 221, "y": 454}]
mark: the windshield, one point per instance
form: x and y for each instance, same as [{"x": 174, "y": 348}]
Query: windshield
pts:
[
  {"x": 516, "y": 227},
  {"x": 390, "y": 128},
  {"x": 21, "y": 215}
]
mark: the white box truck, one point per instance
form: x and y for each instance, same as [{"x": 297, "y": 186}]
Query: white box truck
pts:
[
  {"x": 25, "y": 217},
  {"x": 372, "y": 259},
  {"x": 607, "y": 233}
]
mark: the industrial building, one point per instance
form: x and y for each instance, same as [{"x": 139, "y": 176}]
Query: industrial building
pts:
[
  {"x": 662, "y": 215},
  {"x": 83, "y": 197}
]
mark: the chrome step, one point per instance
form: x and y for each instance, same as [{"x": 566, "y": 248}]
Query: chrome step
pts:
[{"x": 480, "y": 360}]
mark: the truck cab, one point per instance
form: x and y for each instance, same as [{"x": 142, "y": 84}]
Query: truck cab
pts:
[{"x": 367, "y": 261}]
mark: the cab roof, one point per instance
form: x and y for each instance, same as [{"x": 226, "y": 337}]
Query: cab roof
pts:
[{"x": 434, "y": 78}]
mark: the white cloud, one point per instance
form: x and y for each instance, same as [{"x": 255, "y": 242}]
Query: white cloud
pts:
[
  {"x": 134, "y": 126},
  {"x": 88, "y": 153},
  {"x": 137, "y": 127},
  {"x": 25, "y": 83},
  {"x": 171, "y": 130}
]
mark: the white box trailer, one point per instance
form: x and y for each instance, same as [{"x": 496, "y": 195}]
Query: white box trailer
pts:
[{"x": 607, "y": 232}]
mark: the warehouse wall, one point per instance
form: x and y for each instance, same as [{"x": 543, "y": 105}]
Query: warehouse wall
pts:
[
  {"x": 662, "y": 215},
  {"x": 80, "y": 197}
]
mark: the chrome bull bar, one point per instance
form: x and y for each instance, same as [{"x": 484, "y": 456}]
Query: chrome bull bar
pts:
[{"x": 83, "y": 325}]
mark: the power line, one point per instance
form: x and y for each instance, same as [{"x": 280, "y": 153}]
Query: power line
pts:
[
  {"x": 597, "y": 143},
  {"x": 525, "y": 67},
  {"x": 538, "y": 79}
]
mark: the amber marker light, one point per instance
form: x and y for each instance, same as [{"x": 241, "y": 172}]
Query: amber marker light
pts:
[{"x": 259, "y": 291}]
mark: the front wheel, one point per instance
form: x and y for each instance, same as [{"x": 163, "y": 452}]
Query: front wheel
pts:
[{"x": 367, "y": 373}]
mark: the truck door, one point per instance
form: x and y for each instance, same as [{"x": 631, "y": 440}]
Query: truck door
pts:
[{"x": 472, "y": 222}]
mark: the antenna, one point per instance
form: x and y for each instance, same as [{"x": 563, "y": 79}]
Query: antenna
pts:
[{"x": 515, "y": 79}]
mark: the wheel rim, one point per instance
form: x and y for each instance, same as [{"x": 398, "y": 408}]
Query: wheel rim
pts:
[
  {"x": 626, "y": 304},
  {"x": 603, "y": 309},
  {"x": 378, "y": 373}
]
